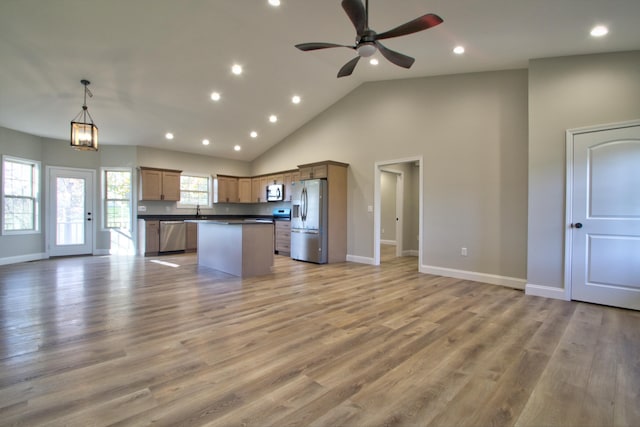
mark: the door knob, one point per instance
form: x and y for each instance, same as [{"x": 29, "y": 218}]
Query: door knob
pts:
[{"x": 578, "y": 225}]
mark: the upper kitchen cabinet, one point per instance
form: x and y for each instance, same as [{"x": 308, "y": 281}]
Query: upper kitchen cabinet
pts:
[
  {"x": 244, "y": 190},
  {"x": 227, "y": 189},
  {"x": 159, "y": 184},
  {"x": 289, "y": 178},
  {"x": 314, "y": 171},
  {"x": 259, "y": 188}
]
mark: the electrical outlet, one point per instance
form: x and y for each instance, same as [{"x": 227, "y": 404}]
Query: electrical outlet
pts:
[{"x": 463, "y": 251}]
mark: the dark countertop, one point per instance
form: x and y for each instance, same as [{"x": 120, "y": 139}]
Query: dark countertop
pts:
[
  {"x": 231, "y": 221},
  {"x": 155, "y": 217}
]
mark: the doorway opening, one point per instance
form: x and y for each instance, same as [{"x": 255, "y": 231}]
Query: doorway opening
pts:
[{"x": 398, "y": 209}]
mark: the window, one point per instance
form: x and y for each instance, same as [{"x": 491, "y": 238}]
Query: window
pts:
[
  {"x": 195, "y": 190},
  {"x": 21, "y": 195},
  {"x": 117, "y": 198}
]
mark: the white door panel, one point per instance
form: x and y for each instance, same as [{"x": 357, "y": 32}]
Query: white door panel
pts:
[
  {"x": 70, "y": 211},
  {"x": 605, "y": 266}
]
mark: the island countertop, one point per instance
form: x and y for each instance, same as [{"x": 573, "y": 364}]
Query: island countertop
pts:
[{"x": 231, "y": 221}]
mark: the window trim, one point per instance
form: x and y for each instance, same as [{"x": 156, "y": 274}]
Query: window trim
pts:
[
  {"x": 37, "y": 220},
  {"x": 103, "y": 207},
  {"x": 180, "y": 205}
]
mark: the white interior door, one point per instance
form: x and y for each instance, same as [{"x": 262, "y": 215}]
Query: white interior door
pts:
[
  {"x": 70, "y": 211},
  {"x": 605, "y": 225}
]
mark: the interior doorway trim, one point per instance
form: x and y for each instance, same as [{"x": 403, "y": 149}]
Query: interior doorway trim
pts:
[
  {"x": 377, "y": 202},
  {"x": 568, "y": 235}
]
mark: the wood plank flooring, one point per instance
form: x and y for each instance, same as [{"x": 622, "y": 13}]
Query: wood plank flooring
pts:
[{"x": 96, "y": 341}]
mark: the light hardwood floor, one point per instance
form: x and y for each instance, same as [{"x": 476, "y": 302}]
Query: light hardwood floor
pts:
[{"x": 128, "y": 341}]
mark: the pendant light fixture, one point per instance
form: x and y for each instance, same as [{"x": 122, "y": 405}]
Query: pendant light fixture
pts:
[{"x": 84, "y": 133}]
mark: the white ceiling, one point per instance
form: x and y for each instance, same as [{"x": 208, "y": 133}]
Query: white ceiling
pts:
[{"x": 153, "y": 63}]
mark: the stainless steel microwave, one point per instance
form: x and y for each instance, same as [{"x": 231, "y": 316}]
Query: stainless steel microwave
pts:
[{"x": 275, "y": 192}]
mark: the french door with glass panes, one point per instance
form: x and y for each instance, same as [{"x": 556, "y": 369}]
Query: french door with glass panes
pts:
[{"x": 70, "y": 216}]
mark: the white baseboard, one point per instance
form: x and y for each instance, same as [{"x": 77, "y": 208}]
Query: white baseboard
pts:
[
  {"x": 23, "y": 258},
  {"x": 360, "y": 259},
  {"x": 546, "y": 292},
  {"x": 388, "y": 242},
  {"x": 101, "y": 252},
  {"x": 410, "y": 252},
  {"x": 510, "y": 282}
]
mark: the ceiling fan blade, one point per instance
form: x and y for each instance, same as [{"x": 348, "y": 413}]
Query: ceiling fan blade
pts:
[
  {"x": 348, "y": 68},
  {"x": 422, "y": 23},
  {"x": 318, "y": 45},
  {"x": 396, "y": 57},
  {"x": 356, "y": 13}
]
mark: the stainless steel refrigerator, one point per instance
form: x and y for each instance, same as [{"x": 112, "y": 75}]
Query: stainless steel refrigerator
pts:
[{"x": 309, "y": 221}]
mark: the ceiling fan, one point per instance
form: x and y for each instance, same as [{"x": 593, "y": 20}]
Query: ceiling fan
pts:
[{"x": 367, "y": 40}]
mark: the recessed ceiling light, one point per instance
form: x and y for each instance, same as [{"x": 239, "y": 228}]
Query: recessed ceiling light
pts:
[
  {"x": 458, "y": 50},
  {"x": 168, "y": 135},
  {"x": 599, "y": 31},
  {"x": 236, "y": 69},
  {"x": 253, "y": 134},
  {"x": 295, "y": 99},
  {"x": 274, "y": 3},
  {"x": 273, "y": 118},
  {"x": 374, "y": 61},
  {"x": 237, "y": 148},
  {"x": 205, "y": 142},
  {"x": 215, "y": 96}
]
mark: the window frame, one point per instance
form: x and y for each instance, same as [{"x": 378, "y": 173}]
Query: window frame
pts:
[
  {"x": 181, "y": 205},
  {"x": 37, "y": 189},
  {"x": 104, "y": 208}
]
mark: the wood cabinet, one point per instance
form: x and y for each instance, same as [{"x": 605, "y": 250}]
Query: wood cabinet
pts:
[
  {"x": 259, "y": 188},
  {"x": 227, "y": 189},
  {"x": 148, "y": 237},
  {"x": 283, "y": 237},
  {"x": 288, "y": 179},
  {"x": 192, "y": 237},
  {"x": 255, "y": 190},
  {"x": 159, "y": 184},
  {"x": 314, "y": 171},
  {"x": 244, "y": 190},
  {"x": 336, "y": 175}
]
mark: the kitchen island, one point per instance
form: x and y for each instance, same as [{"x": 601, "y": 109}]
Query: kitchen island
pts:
[{"x": 238, "y": 247}]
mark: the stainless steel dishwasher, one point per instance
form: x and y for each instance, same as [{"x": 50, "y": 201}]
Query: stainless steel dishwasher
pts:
[{"x": 173, "y": 236}]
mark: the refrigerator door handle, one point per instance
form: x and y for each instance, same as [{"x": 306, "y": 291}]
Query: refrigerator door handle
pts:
[
  {"x": 302, "y": 231},
  {"x": 304, "y": 203}
]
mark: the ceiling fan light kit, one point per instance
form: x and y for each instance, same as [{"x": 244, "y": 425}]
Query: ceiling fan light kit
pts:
[{"x": 367, "y": 40}]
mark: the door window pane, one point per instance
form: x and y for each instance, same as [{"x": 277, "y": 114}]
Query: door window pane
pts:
[{"x": 70, "y": 207}]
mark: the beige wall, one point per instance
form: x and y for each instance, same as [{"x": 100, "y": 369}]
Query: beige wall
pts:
[
  {"x": 566, "y": 93},
  {"x": 470, "y": 129}
]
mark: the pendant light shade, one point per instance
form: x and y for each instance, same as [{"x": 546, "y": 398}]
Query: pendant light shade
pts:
[{"x": 84, "y": 133}]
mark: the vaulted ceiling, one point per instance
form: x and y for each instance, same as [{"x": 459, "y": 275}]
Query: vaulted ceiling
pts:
[{"x": 153, "y": 64}]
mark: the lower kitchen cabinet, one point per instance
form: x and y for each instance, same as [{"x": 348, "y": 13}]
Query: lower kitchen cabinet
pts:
[
  {"x": 192, "y": 237},
  {"x": 283, "y": 237},
  {"x": 148, "y": 237}
]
